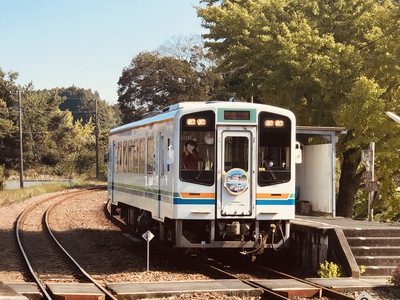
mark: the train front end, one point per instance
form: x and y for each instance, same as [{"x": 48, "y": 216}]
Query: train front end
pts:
[{"x": 241, "y": 192}]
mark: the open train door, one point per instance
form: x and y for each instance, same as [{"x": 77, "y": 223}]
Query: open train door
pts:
[{"x": 235, "y": 177}]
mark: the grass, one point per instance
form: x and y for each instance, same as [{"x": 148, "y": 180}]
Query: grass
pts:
[{"x": 14, "y": 196}]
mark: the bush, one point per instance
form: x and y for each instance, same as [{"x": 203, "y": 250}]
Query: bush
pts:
[
  {"x": 395, "y": 276},
  {"x": 329, "y": 270}
]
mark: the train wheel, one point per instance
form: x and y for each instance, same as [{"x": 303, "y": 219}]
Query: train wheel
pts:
[
  {"x": 169, "y": 231},
  {"x": 202, "y": 255},
  {"x": 114, "y": 210},
  {"x": 170, "y": 236}
]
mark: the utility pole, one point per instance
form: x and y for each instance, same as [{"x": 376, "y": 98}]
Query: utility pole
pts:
[
  {"x": 96, "y": 131},
  {"x": 21, "y": 155}
]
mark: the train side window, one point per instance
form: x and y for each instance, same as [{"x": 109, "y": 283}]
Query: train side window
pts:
[
  {"x": 119, "y": 158},
  {"x": 161, "y": 156},
  {"x": 170, "y": 154},
  {"x": 125, "y": 157},
  {"x": 142, "y": 155},
  {"x": 150, "y": 155},
  {"x": 130, "y": 157},
  {"x": 135, "y": 156}
]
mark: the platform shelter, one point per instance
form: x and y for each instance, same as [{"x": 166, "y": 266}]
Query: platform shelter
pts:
[{"x": 315, "y": 176}]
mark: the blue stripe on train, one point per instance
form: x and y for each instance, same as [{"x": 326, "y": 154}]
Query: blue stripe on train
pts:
[
  {"x": 274, "y": 202},
  {"x": 194, "y": 201}
]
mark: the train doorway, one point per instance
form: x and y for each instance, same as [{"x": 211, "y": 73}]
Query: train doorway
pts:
[{"x": 235, "y": 167}]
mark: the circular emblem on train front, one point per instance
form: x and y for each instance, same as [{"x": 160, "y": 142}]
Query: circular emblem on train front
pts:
[{"x": 236, "y": 181}]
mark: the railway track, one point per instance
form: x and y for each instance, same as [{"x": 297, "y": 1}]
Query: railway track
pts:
[
  {"x": 323, "y": 291},
  {"x": 112, "y": 259},
  {"x": 278, "y": 286},
  {"x": 46, "y": 259}
]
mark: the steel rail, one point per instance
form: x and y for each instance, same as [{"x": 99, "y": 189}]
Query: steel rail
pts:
[
  {"x": 271, "y": 295},
  {"x": 21, "y": 218},
  {"x": 327, "y": 292},
  {"x": 18, "y": 230},
  {"x": 331, "y": 294},
  {"x": 77, "y": 265}
]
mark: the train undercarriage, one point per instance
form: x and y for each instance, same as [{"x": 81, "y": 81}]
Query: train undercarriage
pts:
[{"x": 249, "y": 236}]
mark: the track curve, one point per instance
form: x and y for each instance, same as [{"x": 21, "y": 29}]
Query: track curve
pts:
[{"x": 38, "y": 247}]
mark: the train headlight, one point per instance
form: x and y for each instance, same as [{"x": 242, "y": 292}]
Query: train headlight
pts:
[
  {"x": 269, "y": 123},
  {"x": 274, "y": 123},
  {"x": 190, "y": 121},
  {"x": 196, "y": 122},
  {"x": 201, "y": 122}
]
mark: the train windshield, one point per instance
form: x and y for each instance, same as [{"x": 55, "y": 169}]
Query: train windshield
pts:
[
  {"x": 274, "y": 149},
  {"x": 197, "y": 146}
]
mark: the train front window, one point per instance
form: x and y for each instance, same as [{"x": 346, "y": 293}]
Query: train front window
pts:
[
  {"x": 274, "y": 149},
  {"x": 197, "y": 148}
]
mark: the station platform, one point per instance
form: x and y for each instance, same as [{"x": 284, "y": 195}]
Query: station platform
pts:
[
  {"x": 63, "y": 291},
  {"x": 350, "y": 284},
  {"x": 325, "y": 222},
  {"x": 135, "y": 290},
  {"x": 234, "y": 287},
  {"x": 73, "y": 291},
  {"x": 8, "y": 293},
  {"x": 363, "y": 248}
]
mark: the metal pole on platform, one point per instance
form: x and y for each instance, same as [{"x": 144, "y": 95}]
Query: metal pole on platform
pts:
[{"x": 371, "y": 192}]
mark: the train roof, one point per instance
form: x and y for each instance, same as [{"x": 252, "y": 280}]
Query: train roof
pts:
[{"x": 170, "y": 111}]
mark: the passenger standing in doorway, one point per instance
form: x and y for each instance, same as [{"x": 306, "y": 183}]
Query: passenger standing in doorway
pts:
[{"x": 190, "y": 156}]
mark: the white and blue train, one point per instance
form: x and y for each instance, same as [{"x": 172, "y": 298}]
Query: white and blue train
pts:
[{"x": 238, "y": 190}]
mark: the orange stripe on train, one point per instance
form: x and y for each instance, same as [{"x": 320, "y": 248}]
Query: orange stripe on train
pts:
[
  {"x": 272, "y": 196},
  {"x": 197, "y": 195}
]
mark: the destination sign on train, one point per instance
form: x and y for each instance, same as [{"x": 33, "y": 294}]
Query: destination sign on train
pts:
[{"x": 236, "y": 115}]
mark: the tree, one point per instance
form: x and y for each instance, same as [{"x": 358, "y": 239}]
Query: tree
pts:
[
  {"x": 333, "y": 63},
  {"x": 41, "y": 120},
  {"x": 9, "y": 120},
  {"x": 191, "y": 49},
  {"x": 152, "y": 82},
  {"x": 55, "y": 141},
  {"x": 7, "y": 85},
  {"x": 89, "y": 111},
  {"x": 58, "y": 128}
]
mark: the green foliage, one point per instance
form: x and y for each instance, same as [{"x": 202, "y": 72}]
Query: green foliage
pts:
[
  {"x": 11, "y": 196},
  {"x": 362, "y": 269},
  {"x": 6, "y": 124},
  {"x": 152, "y": 82},
  {"x": 329, "y": 270},
  {"x": 54, "y": 142},
  {"x": 82, "y": 104},
  {"x": 180, "y": 70},
  {"x": 332, "y": 63},
  {"x": 395, "y": 279}
]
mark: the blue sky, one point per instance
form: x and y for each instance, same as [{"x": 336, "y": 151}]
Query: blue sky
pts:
[{"x": 86, "y": 43}]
